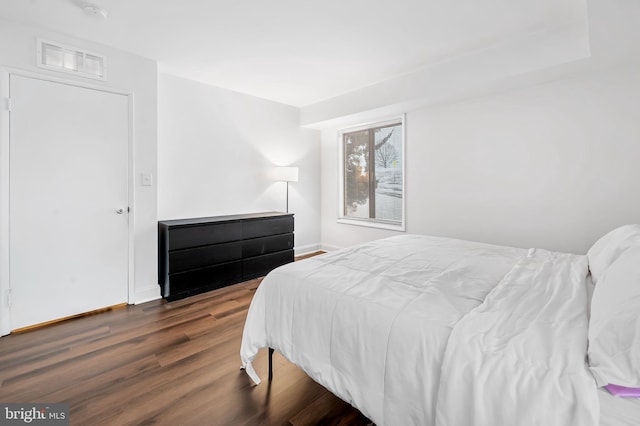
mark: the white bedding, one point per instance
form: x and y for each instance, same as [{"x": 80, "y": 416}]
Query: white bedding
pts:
[
  {"x": 616, "y": 411},
  {"x": 424, "y": 330}
]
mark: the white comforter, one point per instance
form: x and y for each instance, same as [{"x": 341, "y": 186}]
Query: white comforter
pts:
[{"x": 416, "y": 330}]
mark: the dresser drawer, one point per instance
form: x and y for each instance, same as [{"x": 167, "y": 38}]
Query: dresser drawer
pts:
[
  {"x": 264, "y": 227},
  {"x": 194, "y": 236},
  {"x": 201, "y": 257},
  {"x": 259, "y": 266},
  {"x": 211, "y": 277},
  {"x": 264, "y": 245}
]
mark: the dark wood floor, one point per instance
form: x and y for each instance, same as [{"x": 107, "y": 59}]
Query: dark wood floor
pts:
[{"x": 163, "y": 363}]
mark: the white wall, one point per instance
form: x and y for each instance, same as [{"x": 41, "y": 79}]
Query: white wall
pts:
[
  {"x": 126, "y": 72},
  {"x": 542, "y": 154},
  {"x": 216, "y": 149},
  {"x": 552, "y": 166}
]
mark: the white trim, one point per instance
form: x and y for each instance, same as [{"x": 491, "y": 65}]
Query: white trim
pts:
[
  {"x": 61, "y": 80},
  {"x": 329, "y": 247},
  {"x": 5, "y": 325},
  {"x": 393, "y": 119},
  {"x": 147, "y": 295},
  {"x": 372, "y": 223},
  {"x": 131, "y": 180},
  {"x": 5, "y": 140},
  {"x": 306, "y": 249}
]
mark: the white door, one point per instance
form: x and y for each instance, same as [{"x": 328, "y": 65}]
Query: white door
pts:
[{"x": 68, "y": 195}]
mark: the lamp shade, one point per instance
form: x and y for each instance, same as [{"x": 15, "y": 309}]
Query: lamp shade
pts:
[{"x": 285, "y": 174}]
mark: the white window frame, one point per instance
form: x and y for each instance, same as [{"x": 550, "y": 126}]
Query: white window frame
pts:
[
  {"x": 80, "y": 72},
  {"x": 368, "y": 222}
]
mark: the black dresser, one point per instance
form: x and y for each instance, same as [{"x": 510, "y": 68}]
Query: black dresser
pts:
[{"x": 202, "y": 254}]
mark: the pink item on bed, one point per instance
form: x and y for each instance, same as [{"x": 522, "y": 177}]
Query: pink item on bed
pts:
[{"x": 623, "y": 391}]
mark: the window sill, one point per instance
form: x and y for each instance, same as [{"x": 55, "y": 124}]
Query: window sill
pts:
[{"x": 372, "y": 224}]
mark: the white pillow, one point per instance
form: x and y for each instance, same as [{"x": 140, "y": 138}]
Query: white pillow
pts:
[
  {"x": 607, "y": 249},
  {"x": 614, "y": 327}
]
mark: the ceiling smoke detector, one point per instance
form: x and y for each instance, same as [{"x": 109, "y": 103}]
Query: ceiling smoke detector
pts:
[{"x": 94, "y": 11}]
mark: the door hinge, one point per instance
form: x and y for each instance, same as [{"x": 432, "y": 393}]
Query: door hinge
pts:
[
  {"x": 9, "y": 298},
  {"x": 9, "y": 104}
]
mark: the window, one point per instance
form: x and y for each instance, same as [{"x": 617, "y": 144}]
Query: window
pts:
[
  {"x": 372, "y": 184},
  {"x": 59, "y": 57}
]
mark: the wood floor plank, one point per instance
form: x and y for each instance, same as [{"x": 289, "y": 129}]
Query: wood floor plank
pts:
[{"x": 163, "y": 363}]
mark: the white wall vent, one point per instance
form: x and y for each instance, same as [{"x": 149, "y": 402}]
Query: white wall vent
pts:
[{"x": 59, "y": 57}]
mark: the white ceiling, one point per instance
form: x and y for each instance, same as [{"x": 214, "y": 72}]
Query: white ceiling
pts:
[{"x": 297, "y": 52}]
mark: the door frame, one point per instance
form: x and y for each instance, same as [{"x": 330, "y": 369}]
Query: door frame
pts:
[{"x": 5, "y": 164}]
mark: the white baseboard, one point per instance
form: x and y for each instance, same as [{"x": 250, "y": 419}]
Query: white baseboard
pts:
[
  {"x": 147, "y": 294},
  {"x": 329, "y": 247},
  {"x": 306, "y": 249}
]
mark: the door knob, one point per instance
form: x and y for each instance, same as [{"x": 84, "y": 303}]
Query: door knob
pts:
[{"x": 120, "y": 211}]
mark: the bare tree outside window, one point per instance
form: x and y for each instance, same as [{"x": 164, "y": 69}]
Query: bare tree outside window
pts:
[{"x": 386, "y": 155}]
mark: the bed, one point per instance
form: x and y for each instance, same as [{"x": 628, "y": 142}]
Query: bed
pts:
[{"x": 418, "y": 330}]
